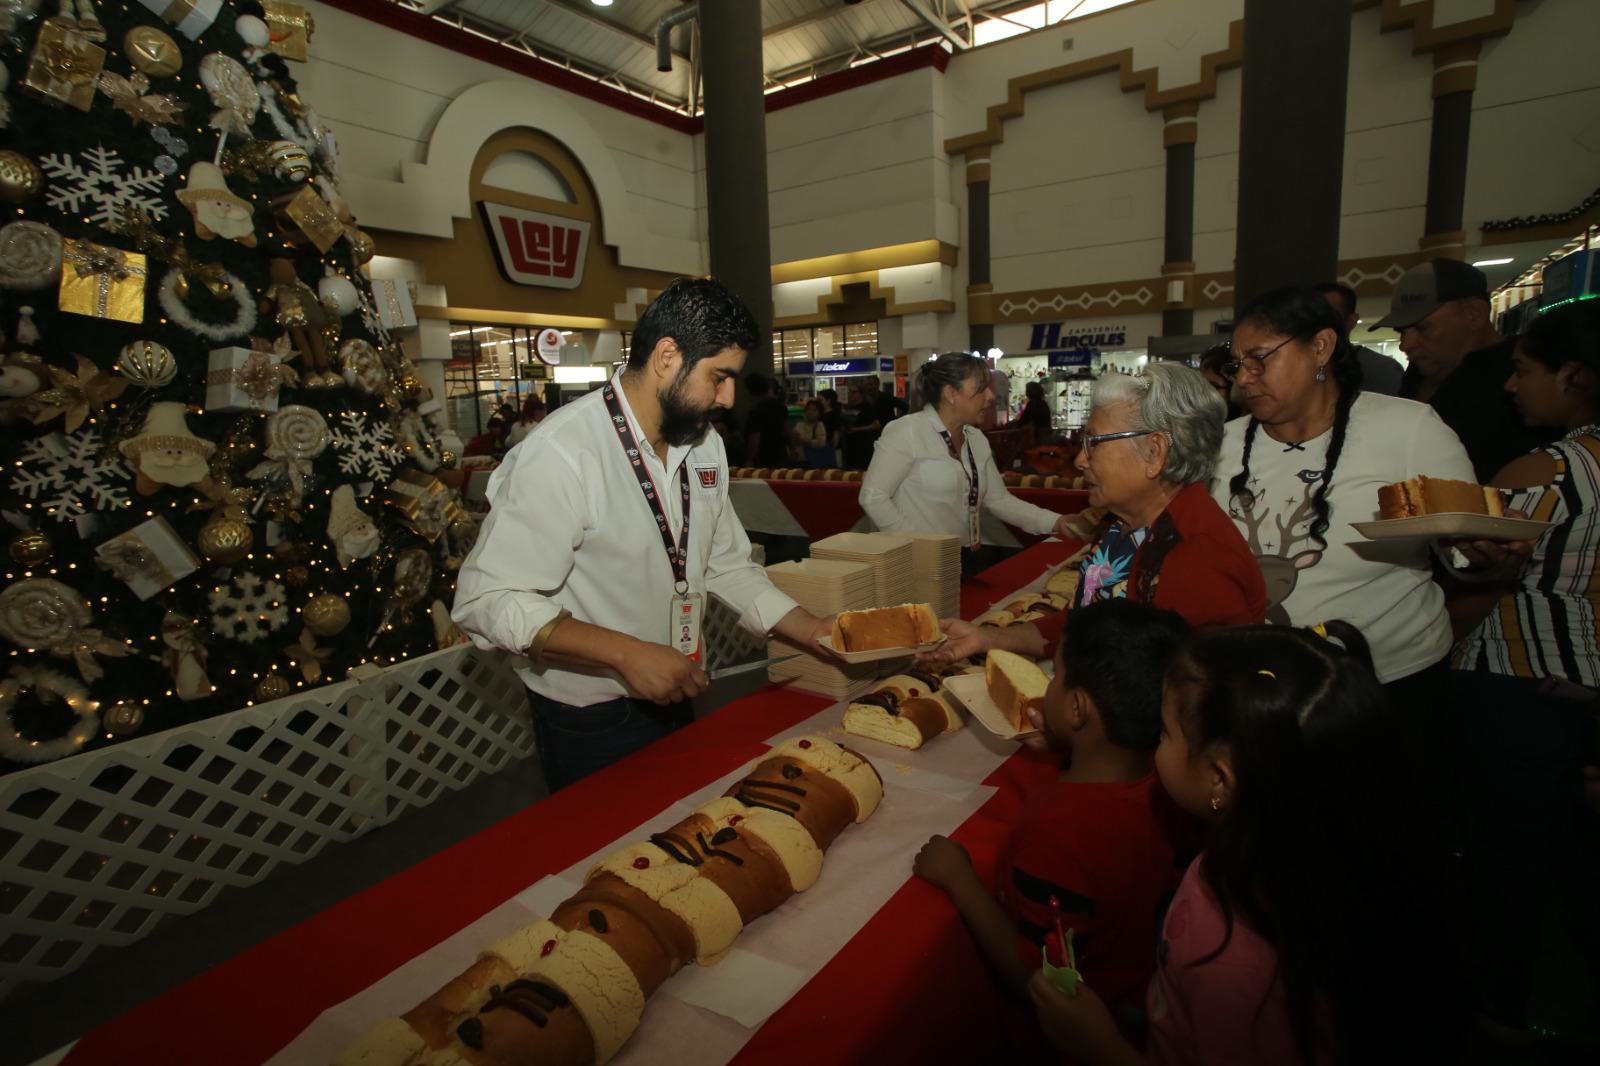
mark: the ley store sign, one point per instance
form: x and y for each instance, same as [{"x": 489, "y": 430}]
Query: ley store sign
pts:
[{"x": 534, "y": 248}]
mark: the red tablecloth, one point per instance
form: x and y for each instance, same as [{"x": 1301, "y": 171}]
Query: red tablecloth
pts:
[
  {"x": 908, "y": 987},
  {"x": 823, "y": 508}
]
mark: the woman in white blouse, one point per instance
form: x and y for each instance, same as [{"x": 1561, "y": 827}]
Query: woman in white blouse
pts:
[{"x": 933, "y": 471}]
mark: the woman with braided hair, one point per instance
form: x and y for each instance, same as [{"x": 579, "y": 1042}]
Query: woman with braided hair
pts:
[{"x": 1306, "y": 461}]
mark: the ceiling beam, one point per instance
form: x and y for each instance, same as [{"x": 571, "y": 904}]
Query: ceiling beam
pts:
[
  {"x": 430, "y": 7},
  {"x": 586, "y": 12},
  {"x": 918, "y": 8},
  {"x": 826, "y": 11}
]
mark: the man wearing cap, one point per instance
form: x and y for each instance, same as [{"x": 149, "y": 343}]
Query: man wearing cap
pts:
[
  {"x": 606, "y": 530},
  {"x": 1459, "y": 362}
]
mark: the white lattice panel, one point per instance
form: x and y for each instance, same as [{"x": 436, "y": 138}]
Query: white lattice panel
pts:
[
  {"x": 99, "y": 848},
  {"x": 727, "y": 642}
]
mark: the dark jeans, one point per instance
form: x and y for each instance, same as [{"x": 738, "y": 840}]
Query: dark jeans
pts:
[
  {"x": 574, "y": 742},
  {"x": 1520, "y": 747}
]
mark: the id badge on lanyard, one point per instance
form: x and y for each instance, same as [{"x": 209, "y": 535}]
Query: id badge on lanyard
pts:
[
  {"x": 686, "y": 610},
  {"x": 970, "y": 468}
]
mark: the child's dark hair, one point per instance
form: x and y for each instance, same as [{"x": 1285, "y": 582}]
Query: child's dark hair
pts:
[
  {"x": 1302, "y": 314},
  {"x": 1321, "y": 848},
  {"x": 1116, "y": 651}
]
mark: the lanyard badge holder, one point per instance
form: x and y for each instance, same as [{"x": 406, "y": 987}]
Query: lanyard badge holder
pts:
[
  {"x": 974, "y": 538},
  {"x": 686, "y": 610}
]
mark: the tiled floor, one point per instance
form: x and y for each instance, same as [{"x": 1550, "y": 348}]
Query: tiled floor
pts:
[{"x": 34, "y": 1023}]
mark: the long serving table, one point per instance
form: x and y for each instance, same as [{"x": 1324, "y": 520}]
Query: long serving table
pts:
[
  {"x": 907, "y": 986},
  {"x": 819, "y": 509}
]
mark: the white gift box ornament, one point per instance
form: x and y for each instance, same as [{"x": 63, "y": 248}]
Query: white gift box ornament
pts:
[
  {"x": 393, "y": 299},
  {"x": 148, "y": 558},
  {"x": 190, "y": 17},
  {"x": 242, "y": 379}
]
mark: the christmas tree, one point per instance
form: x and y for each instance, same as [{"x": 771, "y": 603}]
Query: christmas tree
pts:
[{"x": 217, "y": 466}]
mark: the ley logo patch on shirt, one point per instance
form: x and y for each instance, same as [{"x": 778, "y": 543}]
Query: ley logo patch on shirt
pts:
[{"x": 709, "y": 475}]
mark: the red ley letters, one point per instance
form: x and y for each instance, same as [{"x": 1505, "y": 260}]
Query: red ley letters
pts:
[{"x": 537, "y": 249}]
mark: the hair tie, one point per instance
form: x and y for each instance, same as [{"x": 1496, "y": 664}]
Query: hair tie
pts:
[
  {"x": 1267, "y": 673},
  {"x": 1320, "y": 630}
]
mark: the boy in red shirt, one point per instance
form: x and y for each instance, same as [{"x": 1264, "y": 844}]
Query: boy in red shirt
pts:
[{"x": 1103, "y": 839}]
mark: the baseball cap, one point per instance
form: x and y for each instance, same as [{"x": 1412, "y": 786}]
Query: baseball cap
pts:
[{"x": 1423, "y": 289}]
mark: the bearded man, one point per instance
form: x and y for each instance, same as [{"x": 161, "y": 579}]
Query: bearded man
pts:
[{"x": 607, "y": 528}]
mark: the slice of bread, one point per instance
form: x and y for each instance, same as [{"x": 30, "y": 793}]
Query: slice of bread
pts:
[
  {"x": 903, "y": 626},
  {"x": 1015, "y": 684},
  {"x": 1432, "y": 495}
]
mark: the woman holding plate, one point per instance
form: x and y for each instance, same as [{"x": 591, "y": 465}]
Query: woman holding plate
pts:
[{"x": 1524, "y": 688}]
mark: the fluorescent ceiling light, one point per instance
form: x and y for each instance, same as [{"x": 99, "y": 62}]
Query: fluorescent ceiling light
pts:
[
  {"x": 1493, "y": 262},
  {"x": 600, "y": 3}
]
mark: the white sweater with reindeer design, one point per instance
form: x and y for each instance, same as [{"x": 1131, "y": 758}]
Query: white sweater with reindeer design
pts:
[{"x": 1383, "y": 588}]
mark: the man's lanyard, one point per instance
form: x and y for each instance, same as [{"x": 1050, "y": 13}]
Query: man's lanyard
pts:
[
  {"x": 972, "y": 484},
  {"x": 677, "y": 554}
]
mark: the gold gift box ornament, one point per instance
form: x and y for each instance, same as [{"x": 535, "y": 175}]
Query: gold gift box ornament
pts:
[
  {"x": 426, "y": 506},
  {"x": 102, "y": 282},
  {"x": 313, "y": 219},
  {"x": 291, "y": 27},
  {"x": 65, "y": 64}
]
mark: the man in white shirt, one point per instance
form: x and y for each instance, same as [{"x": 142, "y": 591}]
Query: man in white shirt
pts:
[{"x": 606, "y": 530}]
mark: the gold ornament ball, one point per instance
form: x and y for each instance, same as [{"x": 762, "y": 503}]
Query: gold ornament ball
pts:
[
  {"x": 362, "y": 246},
  {"x": 326, "y": 614},
  {"x": 225, "y": 539},
  {"x": 297, "y": 575},
  {"x": 152, "y": 52},
  {"x": 272, "y": 687},
  {"x": 30, "y": 547},
  {"x": 123, "y": 718},
  {"x": 147, "y": 364},
  {"x": 20, "y": 177}
]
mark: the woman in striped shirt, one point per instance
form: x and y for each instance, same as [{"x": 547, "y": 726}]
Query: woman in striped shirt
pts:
[{"x": 1527, "y": 678}]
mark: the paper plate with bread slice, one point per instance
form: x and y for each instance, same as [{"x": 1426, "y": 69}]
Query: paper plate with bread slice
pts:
[
  {"x": 1431, "y": 508},
  {"x": 1000, "y": 697},
  {"x": 884, "y": 633}
]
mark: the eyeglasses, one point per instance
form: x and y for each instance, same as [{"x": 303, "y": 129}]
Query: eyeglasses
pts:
[
  {"x": 1091, "y": 441},
  {"x": 1256, "y": 363}
]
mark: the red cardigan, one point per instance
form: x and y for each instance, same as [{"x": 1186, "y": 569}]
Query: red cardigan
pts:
[{"x": 1195, "y": 563}]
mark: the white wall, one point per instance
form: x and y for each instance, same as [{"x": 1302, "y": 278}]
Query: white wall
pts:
[
  {"x": 859, "y": 169},
  {"x": 388, "y": 97},
  {"x": 1077, "y": 184}
]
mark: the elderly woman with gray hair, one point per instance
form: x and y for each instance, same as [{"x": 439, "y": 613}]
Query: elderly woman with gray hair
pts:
[{"x": 1149, "y": 451}]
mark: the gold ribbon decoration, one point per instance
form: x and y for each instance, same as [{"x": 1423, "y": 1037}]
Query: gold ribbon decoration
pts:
[
  {"x": 309, "y": 658},
  {"x": 103, "y": 282},
  {"x": 129, "y": 559},
  {"x": 258, "y": 377}
]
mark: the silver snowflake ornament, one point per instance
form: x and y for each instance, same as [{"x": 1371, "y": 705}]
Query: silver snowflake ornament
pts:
[
  {"x": 365, "y": 447},
  {"x": 248, "y": 608},
  {"x": 94, "y": 185},
  {"x": 70, "y": 475}
]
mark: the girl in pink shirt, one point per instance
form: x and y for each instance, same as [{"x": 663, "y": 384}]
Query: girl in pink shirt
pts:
[{"x": 1310, "y": 930}]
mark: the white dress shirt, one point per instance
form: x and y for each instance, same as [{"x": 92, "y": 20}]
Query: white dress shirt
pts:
[
  {"x": 569, "y": 527},
  {"x": 915, "y": 485}
]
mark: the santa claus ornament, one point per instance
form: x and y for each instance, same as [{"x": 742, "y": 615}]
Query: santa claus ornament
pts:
[
  {"x": 165, "y": 452},
  {"x": 217, "y": 211}
]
